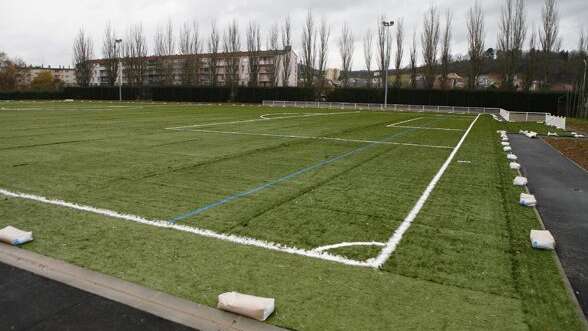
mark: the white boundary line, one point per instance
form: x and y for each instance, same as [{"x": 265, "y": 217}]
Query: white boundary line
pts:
[
  {"x": 260, "y": 119},
  {"x": 395, "y": 124},
  {"x": 425, "y": 128},
  {"x": 109, "y": 108},
  {"x": 194, "y": 230},
  {"x": 340, "y": 245},
  {"x": 269, "y": 116},
  {"x": 312, "y": 137},
  {"x": 405, "y": 225}
]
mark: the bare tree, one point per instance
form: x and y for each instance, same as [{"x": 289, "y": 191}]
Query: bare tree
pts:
[
  {"x": 273, "y": 44},
  {"x": 231, "y": 46},
  {"x": 213, "y": 49},
  {"x": 399, "y": 52},
  {"x": 309, "y": 49},
  {"x": 511, "y": 37},
  {"x": 549, "y": 35},
  {"x": 286, "y": 61},
  {"x": 170, "y": 49},
  {"x": 446, "y": 48},
  {"x": 189, "y": 47},
  {"x": 110, "y": 53},
  {"x": 430, "y": 44},
  {"x": 135, "y": 53},
  {"x": 505, "y": 28},
  {"x": 368, "y": 48},
  {"x": 164, "y": 48},
  {"x": 519, "y": 34},
  {"x": 384, "y": 49},
  {"x": 83, "y": 50},
  {"x": 476, "y": 35},
  {"x": 323, "y": 51},
  {"x": 531, "y": 61},
  {"x": 253, "y": 48},
  {"x": 582, "y": 43},
  {"x": 413, "y": 61},
  {"x": 346, "y": 42}
]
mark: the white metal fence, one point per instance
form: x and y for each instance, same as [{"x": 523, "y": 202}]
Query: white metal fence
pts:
[
  {"x": 380, "y": 107},
  {"x": 509, "y": 116},
  {"x": 557, "y": 121}
]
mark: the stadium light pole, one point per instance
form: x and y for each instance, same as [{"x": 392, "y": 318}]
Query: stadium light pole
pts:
[
  {"x": 387, "y": 24},
  {"x": 116, "y": 42}
]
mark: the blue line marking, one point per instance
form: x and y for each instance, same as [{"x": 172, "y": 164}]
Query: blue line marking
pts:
[{"x": 274, "y": 182}]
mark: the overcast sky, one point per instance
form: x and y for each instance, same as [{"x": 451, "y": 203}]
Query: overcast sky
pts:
[{"x": 42, "y": 32}]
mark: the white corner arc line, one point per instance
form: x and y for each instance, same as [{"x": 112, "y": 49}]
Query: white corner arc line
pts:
[
  {"x": 193, "y": 230},
  {"x": 260, "y": 119},
  {"x": 395, "y": 124},
  {"x": 405, "y": 225},
  {"x": 315, "y": 138},
  {"x": 346, "y": 244}
]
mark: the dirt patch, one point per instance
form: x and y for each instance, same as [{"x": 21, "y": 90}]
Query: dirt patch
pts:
[
  {"x": 578, "y": 125},
  {"x": 575, "y": 149}
]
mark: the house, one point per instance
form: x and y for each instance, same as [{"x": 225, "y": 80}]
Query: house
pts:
[
  {"x": 454, "y": 81},
  {"x": 489, "y": 81}
]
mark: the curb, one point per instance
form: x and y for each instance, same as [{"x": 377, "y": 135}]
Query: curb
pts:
[
  {"x": 555, "y": 256},
  {"x": 166, "y": 306}
]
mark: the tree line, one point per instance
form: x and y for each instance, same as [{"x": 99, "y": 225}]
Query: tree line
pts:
[
  {"x": 522, "y": 53},
  {"x": 521, "y": 50}
]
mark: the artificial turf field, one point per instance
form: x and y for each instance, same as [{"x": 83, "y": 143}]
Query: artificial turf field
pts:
[{"x": 297, "y": 180}]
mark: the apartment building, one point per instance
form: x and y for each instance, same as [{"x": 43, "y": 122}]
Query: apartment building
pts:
[
  {"x": 270, "y": 64},
  {"x": 27, "y": 74}
]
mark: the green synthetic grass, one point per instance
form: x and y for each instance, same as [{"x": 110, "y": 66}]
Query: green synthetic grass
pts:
[{"x": 464, "y": 264}]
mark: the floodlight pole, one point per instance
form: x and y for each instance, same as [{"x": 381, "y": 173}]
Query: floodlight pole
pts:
[
  {"x": 386, "y": 61},
  {"x": 116, "y": 42},
  {"x": 584, "y": 86}
]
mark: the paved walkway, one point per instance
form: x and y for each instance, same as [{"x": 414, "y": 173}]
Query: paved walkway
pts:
[
  {"x": 42, "y": 293},
  {"x": 561, "y": 188},
  {"x": 31, "y": 302}
]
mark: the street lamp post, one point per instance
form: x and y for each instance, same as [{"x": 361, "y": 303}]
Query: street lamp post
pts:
[
  {"x": 118, "y": 76},
  {"x": 584, "y": 87},
  {"x": 386, "y": 61}
]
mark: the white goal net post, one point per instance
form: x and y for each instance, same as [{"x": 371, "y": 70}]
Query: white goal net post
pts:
[
  {"x": 509, "y": 116},
  {"x": 549, "y": 120}
]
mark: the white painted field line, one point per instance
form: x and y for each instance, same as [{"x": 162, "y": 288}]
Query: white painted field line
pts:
[
  {"x": 395, "y": 124},
  {"x": 405, "y": 225},
  {"x": 346, "y": 244},
  {"x": 269, "y": 116},
  {"x": 315, "y": 138},
  {"x": 194, "y": 230},
  {"x": 110, "y": 108},
  {"x": 260, "y": 119},
  {"x": 425, "y": 128}
]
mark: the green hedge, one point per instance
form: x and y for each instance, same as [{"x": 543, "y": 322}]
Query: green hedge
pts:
[{"x": 515, "y": 101}]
